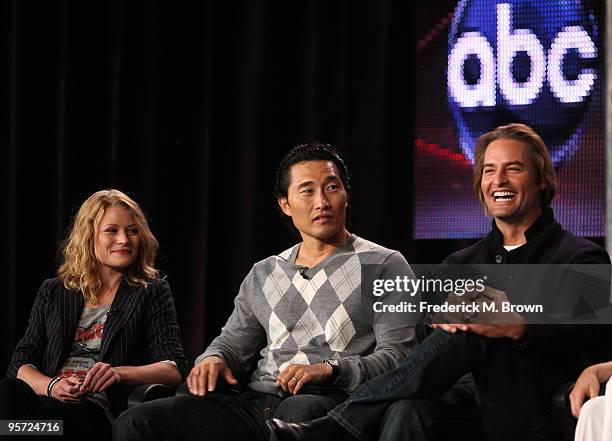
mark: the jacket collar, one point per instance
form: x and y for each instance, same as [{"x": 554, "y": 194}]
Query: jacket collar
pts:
[
  {"x": 125, "y": 301},
  {"x": 71, "y": 306},
  {"x": 546, "y": 221}
]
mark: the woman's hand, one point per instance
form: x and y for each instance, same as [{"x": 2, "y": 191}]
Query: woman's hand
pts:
[
  {"x": 587, "y": 386},
  {"x": 68, "y": 390},
  {"x": 99, "y": 377}
]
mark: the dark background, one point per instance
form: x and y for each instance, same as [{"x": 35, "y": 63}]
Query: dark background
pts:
[{"x": 188, "y": 107}]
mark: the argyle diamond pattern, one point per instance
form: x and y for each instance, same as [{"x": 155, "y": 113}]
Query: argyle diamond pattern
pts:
[{"x": 306, "y": 310}]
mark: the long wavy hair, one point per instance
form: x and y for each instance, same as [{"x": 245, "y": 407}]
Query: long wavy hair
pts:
[{"x": 79, "y": 270}]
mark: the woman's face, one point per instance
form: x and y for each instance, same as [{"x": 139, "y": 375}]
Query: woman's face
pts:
[{"x": 118, "y": 239}]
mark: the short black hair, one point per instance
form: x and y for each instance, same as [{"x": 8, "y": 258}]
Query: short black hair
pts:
[{"x": 311, "y": 151}]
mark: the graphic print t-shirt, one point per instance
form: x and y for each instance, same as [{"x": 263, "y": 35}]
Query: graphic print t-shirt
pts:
[
  {"x": 85, "y": 352},
  {"x": 87, "y": 341}
]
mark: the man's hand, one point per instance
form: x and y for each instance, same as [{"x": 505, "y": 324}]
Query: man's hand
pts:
[
  {"x": 295, "y": 376},
  {"x": 203, "y": 377},
  {"x": 99, "y": 377},
  {"x": 451, "y": 328},
  {"x": 513, "y": 331},
  {"x": 587, "y": 386},
  {"x": 68, "y": 390}
]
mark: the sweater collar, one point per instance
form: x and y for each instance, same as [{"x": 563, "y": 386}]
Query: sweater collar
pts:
[{"x": 347, "y": 246}]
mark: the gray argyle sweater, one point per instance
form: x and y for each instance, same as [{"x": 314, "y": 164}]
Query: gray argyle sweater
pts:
[{"x": 291, "y": 319}]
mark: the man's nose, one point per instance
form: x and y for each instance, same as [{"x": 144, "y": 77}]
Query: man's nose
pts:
[
  {"x": 321, "y": 200},
  {"x": 500, "y": 177}
]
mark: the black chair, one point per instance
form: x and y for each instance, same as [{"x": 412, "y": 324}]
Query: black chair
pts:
[
  {"x": 153, "y": 391},
  {"x": 563, "y": 411},
  {"x": 148, "y": 392},
  {"x": 222, "y": 386}
]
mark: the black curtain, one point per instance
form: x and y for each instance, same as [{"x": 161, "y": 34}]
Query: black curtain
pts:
[{"x": 188, "y": 107}]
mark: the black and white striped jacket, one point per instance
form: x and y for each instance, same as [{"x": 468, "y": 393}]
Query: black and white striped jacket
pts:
[{"x": 141, "y": 328}]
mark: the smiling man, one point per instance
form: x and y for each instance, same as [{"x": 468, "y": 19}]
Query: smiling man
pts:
[
  {"x": 514, "y": 182},
  {"x": 516, "y": 366},
  {"x": 298, "y": 314}
]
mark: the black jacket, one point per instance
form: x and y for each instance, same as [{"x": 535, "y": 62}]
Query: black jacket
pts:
[
  {"x": 517, "y": 381},
  {"x": 141, "y": 328},
  {"x": 546, "y": 243}
]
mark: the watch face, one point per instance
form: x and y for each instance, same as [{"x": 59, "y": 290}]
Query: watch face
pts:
[{"x": 333, "y": 363}]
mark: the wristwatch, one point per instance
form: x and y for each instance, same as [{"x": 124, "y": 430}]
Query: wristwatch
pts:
[{"x": 335, "y": 366}]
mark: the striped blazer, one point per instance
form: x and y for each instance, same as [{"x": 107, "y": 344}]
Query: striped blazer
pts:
[{"x": 141, "y": 328}]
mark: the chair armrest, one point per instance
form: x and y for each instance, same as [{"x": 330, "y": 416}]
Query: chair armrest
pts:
[
  {"x": 182, "y": 390},
  {"x": 562, "y": 410},
  {"x": 222, "y": 387},
  {"x": 560, "y": 399},
  {"x": 148, "y": 392}
]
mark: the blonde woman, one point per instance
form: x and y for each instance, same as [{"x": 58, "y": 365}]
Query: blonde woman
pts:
[{"x": 104, "y": 325}]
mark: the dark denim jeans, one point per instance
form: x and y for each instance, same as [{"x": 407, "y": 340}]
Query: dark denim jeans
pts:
[
  {"x": 216, "y": 416},
  {"x": 454, "y": 414},
  {"x": 515, "y": 404},
  {"x": 305, "y": 407}
]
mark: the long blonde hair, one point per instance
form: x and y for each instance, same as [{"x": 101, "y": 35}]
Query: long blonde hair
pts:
[{"x": 79, "y": 270}]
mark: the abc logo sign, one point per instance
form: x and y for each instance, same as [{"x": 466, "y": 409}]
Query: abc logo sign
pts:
[{"x": 526, "y": 61}]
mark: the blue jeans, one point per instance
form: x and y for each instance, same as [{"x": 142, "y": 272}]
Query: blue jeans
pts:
[
  {"x": 516, "y": 402},
  {"x": 216, "y": 416},
  {"x": 304, "y": 407}
]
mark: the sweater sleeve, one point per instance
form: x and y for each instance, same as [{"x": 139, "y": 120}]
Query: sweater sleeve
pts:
[
  {"x": 394, "y": 331},
  {"x": 242, "y": 336}
]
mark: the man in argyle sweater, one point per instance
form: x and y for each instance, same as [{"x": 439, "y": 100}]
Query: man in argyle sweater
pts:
[
  {"x": 516, "y": 365},
  {"x": 303, "y": 314}
]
